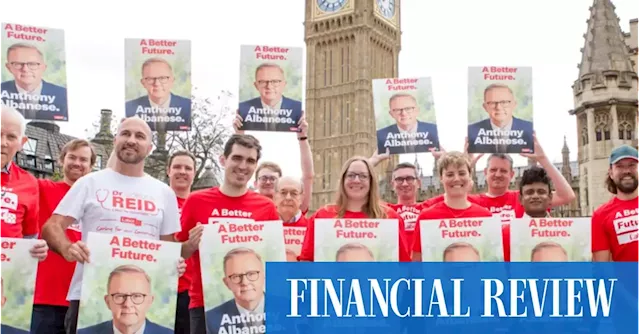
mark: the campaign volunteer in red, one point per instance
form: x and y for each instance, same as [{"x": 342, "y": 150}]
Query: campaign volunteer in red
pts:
[
  {"x": 614, "y": 225},
  {"x": 289, "y": 192},
  {"x": 231, "y": 200},
  {"x": 454, "y": 169},
  {"x": 357, "y": 198},
  {"x": 181, "y": 171},
  {"x": 50, "y": 304},
  {"x": 19, "y": 188}
]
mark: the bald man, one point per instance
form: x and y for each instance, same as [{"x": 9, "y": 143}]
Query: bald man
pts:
[{"x": 120, "y": 200}]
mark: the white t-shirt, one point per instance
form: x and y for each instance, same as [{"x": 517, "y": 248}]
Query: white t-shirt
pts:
[{"x": 109, "y": 202}]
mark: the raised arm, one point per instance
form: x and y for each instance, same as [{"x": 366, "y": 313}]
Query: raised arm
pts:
[{"x": 306, "y": 163}]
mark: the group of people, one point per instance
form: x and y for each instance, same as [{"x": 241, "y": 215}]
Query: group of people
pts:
[{"x": 62, "y": 213}]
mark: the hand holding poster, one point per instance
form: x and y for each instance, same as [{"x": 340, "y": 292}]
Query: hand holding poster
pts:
[
  {"x": 293, "y": 238},
  {"x": 130, "y": 283},
  {"x": 500, "y": 110},
  {"x": 233, "y": 254},
  {"x": 405, "y": 115},
  {"x": 461, "y": 240},
  {"x": 551, "y": 240},
  {"x": 158, "y": 82},
  {"x": 34, "y": 77},
  {"x": 356, "y": 240},
  {"x": 270, "y": 88},
  {"x": 18, "y": 284}
]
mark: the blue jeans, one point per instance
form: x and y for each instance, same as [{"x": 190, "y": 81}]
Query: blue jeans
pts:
[{"x": 48, "y": 319}]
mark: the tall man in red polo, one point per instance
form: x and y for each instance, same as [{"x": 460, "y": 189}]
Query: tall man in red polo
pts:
[
  {"x": 233, "y": 198},
  {"x": 181, "y": 171},
  {"x": 19, "y": 215},
  {"x": 54, "y": 274},
  {"x": 614, "y": 225}
]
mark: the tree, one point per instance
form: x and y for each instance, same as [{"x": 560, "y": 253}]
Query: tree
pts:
[{"x": 211, "y": 126}]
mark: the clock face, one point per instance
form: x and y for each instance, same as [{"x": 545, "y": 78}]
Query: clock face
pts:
[
  {"x": 330, "y": 6},
  {"x": 387, "y": 8}
]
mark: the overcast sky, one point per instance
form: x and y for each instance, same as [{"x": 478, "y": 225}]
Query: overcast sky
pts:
[{"x": 440, "y": 39}]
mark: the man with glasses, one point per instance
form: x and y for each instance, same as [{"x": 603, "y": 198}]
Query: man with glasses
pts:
[
  {"x": 408, "y": 135},
  {"x": 244, "y": 277},
  {"x": 271, "y": 111},
  {"x": 406, "y": 185},
  {"x": 501, "y": 127},
  {"x": 129, "y": 298},
  {"x": 28, "y": 93},
  {"x": 160, "y": 108}
]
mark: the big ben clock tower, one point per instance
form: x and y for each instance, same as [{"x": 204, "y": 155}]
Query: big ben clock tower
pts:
[{"x": 349, "y": 43}]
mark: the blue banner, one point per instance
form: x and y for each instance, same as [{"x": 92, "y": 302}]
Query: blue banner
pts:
[{"x": 465, "y": 298}]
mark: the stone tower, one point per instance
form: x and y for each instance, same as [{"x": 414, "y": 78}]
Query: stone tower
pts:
[
  {"x": 349, "y": 43},
  {"x": 605, "y": 101},
  {"x": 566, "y": 163},
  {"x": 104, "y": 136}
]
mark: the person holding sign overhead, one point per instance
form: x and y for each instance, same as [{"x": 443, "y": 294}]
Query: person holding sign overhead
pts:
[{"x": 358, "y": 198}]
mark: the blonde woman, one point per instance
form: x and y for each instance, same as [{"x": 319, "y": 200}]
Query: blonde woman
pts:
[{"x": 357, "y": 198}]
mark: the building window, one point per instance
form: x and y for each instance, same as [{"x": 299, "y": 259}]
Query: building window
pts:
[
  {"x": 629, "y": 135},
  {"x": 48, "y": 165},
  {"x": 30, "y": 162},
  {"x": 607, "y": 135},
  {"x": 98, "y": 164},
  {"x": 30, "y": 146},
  {"x": 598, "y": 135}
]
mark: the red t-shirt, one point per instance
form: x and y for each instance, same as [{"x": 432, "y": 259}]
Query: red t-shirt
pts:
[
  {"x": 205, "y": 206},
  {"x": 506, "y": 206},
  {"x": 54, "y": 273},
  {"x": 442, "y": 211},
  {"x": 409, "y": 214},
  {"x": 614, "y": 227},
  {"x": 302, "y": 221},
  {"x": 19, "y": 203},
  {"x": 440, "y": 198},
  {"x": 184, "y": 282},
  {"x": 330, "y": 211}
]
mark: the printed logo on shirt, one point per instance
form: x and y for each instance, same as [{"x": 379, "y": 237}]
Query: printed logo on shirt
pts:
[
  {"x": 8, "y": 217},
  {"x": 625, "y": 224},
  {"x": 126, "y": 203},
  {"x": 9, "y": 199},
  {"x": 409, "y": 214},
  {"x": 236, "y": 213},
  {"x": 505, "y": 213}
]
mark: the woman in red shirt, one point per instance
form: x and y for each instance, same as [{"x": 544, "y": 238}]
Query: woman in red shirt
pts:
[
  {"x": 454, "y": 169},
  {"x": 357, "y": 198}
]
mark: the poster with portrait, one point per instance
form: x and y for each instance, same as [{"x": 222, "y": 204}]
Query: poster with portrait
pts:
[
  {"x": 34, "y": 71},
  {"x": 19, "y": 270},
  {"x": 461, "y": 240},
  {"x": 293, "y": 239},
  {"x": 551, "y": 240},
  {"x": 356, "y": 240},
  {"x": 233, "y": 257},
  {"x": 158, "y": 82},
  {"x": 500, "y": 107},
  {"x": 270, "y": 88},
  {"x": 405, "y": 115},
  {"x": 129, "y": 283}
]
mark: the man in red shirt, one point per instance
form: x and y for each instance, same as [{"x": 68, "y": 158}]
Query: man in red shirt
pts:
[
  {"x": 231, "y": 200},
  {"x": 54, "y": 274},
  {"x": 614, "y": 225},
  {"x": 19, "y": 215},
  {"x": 406, "y": 185},
  {"x": 181, "y": 171},
  {"x": 287, "y": 200}
]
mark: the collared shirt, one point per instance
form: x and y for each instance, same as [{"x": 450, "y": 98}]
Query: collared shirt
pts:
[
  {"x": 295, "y": 218},
  {"x": 259, "y": 310},
  {"x": 36, "y": 92},
  {"x": 526, "y": 216},
  {"x": 6, "y": 169},
  {"x": 507, "y": 127},
  {"x": 165, "y": 105},
  {"x": 413, "y": 129},
  {"x": 277, "y": 106},
  {"x": 139, "y": 331}
]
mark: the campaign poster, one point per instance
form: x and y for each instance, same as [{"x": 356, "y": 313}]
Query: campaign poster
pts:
[
  {"x": 233, "y": 257},
  {"x": 34, "y": 71},
  {"x": 551, "y": 240},
  {"x": 129, "y": 283},
  {"x": 461, "y": 240},
  {"x": 405, "y": 115},
  {"x": 293, "y": 239},
  {"x": 356, "y": 240},
  {"x": 270, "y": 88},
  {"x": 158, "y": 82},
  {"x": 500, "y": 106},
  {"x": 19, "y": 270}
]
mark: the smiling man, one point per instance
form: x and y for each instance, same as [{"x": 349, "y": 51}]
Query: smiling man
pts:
[{"x": 535, "y": 193}]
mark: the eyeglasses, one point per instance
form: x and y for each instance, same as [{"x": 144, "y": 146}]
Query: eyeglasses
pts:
[
  {"x": 250, "y": 275},
  {"x": 504, "y": 103},
  {"x": 18, "y": 65},
  {"x": 152, "y": 80},
  {"x": 400, "y": 180},
  {"x": 121, "y": 298},
  {"x": 274, "y": 83},
  {"x": 265, "y": 178},
  {"x": 400, "y": 110},
  {"x": 361, "y": 176}
]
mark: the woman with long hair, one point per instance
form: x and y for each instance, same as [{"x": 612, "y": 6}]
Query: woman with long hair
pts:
[{"x": 357, "y": 198}]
